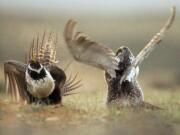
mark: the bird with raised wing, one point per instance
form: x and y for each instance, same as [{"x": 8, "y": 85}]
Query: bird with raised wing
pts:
[{"x": 121, "y": 68}]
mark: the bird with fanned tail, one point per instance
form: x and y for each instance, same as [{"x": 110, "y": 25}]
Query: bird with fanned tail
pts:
[{"x": 39, "y": 79}]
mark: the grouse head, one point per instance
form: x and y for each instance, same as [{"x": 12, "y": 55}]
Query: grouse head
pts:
[
  {"x": 36, "y": 71},
  {"x": 125, "y": 57}
]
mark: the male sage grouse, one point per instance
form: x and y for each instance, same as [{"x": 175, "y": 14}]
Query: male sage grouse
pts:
[
  {"x": 39, "y": 79},
  {"x": 121, "y": 68}
]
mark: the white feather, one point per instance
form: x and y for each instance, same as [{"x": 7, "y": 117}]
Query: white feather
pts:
[
  {"x": 39, "y": 70},
  {"x": 40, "y": 88},
  {"x": 130, "y": 77},
  {"x": 133, "y": 74}
]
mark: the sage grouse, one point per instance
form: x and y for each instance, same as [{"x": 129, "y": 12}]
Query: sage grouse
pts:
[
  {"x": 39, "y": 79},
  {"x": 121, "y": 68}
]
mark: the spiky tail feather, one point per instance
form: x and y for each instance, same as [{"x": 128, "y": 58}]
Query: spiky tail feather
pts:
[
  {"x": 44, "y": 51},
  {"x": 71, "y": 85}
]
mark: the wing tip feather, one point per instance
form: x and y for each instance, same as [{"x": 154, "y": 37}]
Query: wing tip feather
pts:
[{"x": 69, "y": 30}]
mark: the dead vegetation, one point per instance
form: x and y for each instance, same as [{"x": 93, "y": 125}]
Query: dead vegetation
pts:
[{"x": 86, "y": 113}]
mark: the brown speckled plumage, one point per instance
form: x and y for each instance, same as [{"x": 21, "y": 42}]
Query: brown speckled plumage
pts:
[
  {"x": 127, "y": 90},
  {"x": 128, "y": 93},
  {"x": 121, "y": 69}
]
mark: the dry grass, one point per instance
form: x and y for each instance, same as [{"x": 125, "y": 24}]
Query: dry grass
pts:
[{"x": 86, "y": 113}]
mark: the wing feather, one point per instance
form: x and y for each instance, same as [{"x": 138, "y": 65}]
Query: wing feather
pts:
[
  {"x": 89, "y": 52},
  {"x": 152, "y": 44},
  {"x": 11, "y": 89},
  {"x": 14, "y": 73}
]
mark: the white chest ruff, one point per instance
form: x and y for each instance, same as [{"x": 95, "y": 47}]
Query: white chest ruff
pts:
[{"x": 40, "y": 88}]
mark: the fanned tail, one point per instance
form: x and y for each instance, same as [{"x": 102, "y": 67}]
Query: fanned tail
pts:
[
  {"x": 71, "y": 84},
  {"x": 44, "y": 51}
]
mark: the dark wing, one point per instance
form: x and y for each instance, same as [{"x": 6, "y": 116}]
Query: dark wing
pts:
[
  {"x": 89, "y": 52},
  {"x": 14, "y": 73},
  {"x": 66, "y": 86}
]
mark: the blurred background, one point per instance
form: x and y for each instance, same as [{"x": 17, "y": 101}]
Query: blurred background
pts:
[{"x": 114, "y": 23}]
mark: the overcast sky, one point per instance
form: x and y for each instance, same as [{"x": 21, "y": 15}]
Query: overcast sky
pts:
[{"x": 87, "y": 6}]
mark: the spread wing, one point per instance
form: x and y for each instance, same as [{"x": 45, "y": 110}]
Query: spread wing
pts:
[
  {"x": 14, "y": 73},
  {"x": 152, "y": 44},
  {"x": 89, "y": 52},
  {"x": 65, "y": 85}
]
